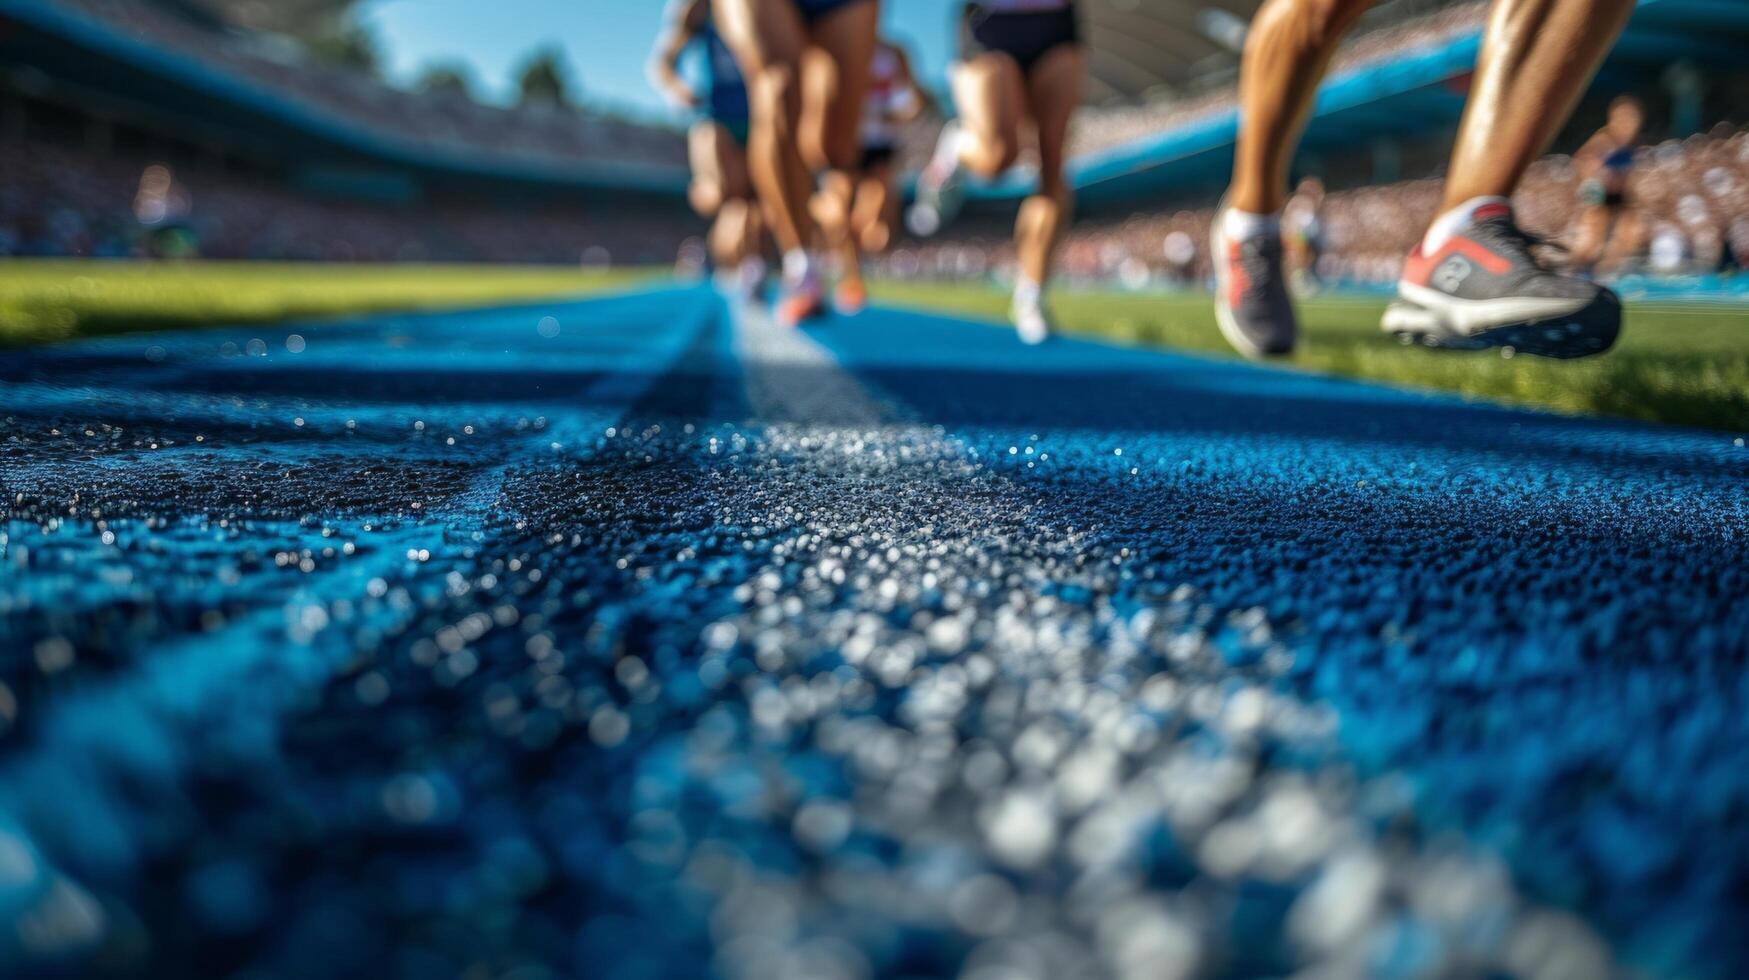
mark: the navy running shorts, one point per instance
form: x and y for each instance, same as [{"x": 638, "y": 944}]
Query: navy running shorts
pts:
[
  {"x": 1024, "y": 36},
  {"x": 813, "y": 10}
]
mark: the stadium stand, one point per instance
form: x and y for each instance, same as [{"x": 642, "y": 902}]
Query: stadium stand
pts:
[
  {"x": 267, "y": 67},
  {"x": 1104, "y": 128},
  {"x": 272, "y": 155},
  {"x": 64, "y": 200},
  {"x": 1693, "y": 192},
  {"x": 268, "y": 154}
]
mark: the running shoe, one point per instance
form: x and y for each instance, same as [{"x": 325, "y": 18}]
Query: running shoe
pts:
[
  {"x": 1252, "y": 304},
  {"x": 1486, "y": 287},
  {"x": 801, "y": 302},
  {"x": 1031, "y": 322},
  {"x": 851, "y": 297}
]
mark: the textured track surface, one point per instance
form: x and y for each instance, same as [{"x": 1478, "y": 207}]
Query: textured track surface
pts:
[{"x": 634, "y": 639}]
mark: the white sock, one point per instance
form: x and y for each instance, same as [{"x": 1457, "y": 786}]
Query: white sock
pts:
[
  {"x": 798, "y": 265},
  {"x": 1027, "y": 293},
  {"x": 1239, "y": 225},
  {"x": 1456, "y": 221}
]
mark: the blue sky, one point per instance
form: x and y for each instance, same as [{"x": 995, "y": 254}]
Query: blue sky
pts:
[{"x": 607, "y": 41}]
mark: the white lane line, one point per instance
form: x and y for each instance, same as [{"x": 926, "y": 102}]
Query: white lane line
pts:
[{"x": 1117, "y": 717}]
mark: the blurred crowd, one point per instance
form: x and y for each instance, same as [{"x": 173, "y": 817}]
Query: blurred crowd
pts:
[
  {"x": 1691, "y": 198},
  {"x": 432, "y": 121},
  {"x": 60, "y": 200}
]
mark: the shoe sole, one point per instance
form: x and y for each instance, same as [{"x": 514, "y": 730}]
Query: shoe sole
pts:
[
  {"x": 1471, "y": 317},
  {"x": 1031, "y": 338},
  {"x": 1574, "y": 332}
]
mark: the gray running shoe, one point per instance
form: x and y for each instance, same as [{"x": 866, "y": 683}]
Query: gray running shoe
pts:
[
  {"x": 1486, "y": 288},
  {"x": 1252, "y": 304}
]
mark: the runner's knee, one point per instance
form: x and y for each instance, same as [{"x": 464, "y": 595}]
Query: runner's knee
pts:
[
  {"x": 1054, "y": 185},
  {"x": 876, "y": 236},
  {"x": 777, "y": 95},
  {"x": 706, "y": 197},
  {"x": 992, "y": 154}
]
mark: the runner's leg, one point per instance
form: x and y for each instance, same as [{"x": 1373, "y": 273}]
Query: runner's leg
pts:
[
  {"x": 1053, "y": 93},
  {"x": 990, "y": 93},
  {"x": 768, "y": 38},
  {"x": 706, "y": 151},
  {"x": 872, "y": 217},
  {"x": 1538, "y": 57},
  {"x": 836, "y": 79},
  {"x": 1286, "y": 54}
]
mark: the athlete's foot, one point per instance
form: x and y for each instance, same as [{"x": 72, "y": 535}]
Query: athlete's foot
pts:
[
  {"x": 1031, "y": 323},
  {"x": 1485, "y": 287},
  {"x": 802, "y": 297},
  {"x": 800, "y": 303},
  {"x": 1252, "y": 304},
  {"x": 851, "y": 297}
]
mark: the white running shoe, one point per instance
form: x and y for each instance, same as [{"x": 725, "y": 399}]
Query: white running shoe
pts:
[{"x": 1031, "y": 322}]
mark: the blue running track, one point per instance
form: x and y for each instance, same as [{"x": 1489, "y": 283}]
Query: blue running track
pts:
[{"x": 638, "y": 638}]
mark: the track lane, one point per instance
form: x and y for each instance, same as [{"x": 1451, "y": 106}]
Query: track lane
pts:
[{"x": 807, "y": 551}]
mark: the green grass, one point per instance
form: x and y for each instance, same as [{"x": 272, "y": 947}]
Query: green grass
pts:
[
  {"x": 58, "y": 300},
  {"x": 1687, "y": 365},
  {"x": 1679, "y": 364}
]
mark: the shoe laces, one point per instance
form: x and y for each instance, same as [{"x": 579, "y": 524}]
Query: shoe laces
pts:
[{"x": 1506, "y": 237}]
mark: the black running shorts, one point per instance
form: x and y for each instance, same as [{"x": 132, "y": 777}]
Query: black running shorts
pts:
[
  {"x": 876, "y": 154},
  {"x": 1025, "y": 37},
  {"x": 814, "y": 10}
]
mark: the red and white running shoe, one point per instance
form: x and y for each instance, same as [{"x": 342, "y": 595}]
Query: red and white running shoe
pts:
[
  {"x": 1486, "y": 288},
  {"x": 1252, "y": 304}
]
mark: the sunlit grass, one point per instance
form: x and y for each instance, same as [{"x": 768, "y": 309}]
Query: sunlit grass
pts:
[
  {"x": 1680, "y": 364},
  {"x": 58, "y": 300},
  {"x": 1684, "y": 364}
]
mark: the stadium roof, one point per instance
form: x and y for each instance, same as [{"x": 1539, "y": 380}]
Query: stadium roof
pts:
[
  {"x": 1144, "y": 50},
  {"x": 46, "y": 46},
  {"x": 277, "y": 15}
]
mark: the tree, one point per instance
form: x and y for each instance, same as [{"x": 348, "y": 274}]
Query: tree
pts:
[
  {"x": 348, "y": 45},
  {"x": 543, "y": 79},
  {"x": 446, "y": 79}
]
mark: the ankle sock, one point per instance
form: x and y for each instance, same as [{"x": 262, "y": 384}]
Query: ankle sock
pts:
[
  {"x": 1239, "y": 225},
  {"x": 1456, "y": 221}
]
